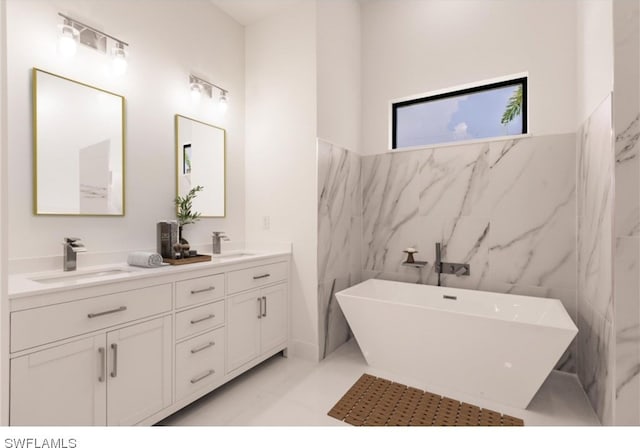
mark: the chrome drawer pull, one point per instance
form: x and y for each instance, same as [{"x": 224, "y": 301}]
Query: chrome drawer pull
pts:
[
  {"x": 202, "y": 319},
  {"x": 203, "y": 347},
  {"x": 198, "y": 291},
  {"x": 114, "y": 372},
  {"x": 259, "y": 307},
  {"x": 203, "y": 376},
  {"x": 102, "y": 313},
  {"x": 264, "y": 299},
  {"x": 258, "y": 277},
  {"x": 103, "y": 364}
]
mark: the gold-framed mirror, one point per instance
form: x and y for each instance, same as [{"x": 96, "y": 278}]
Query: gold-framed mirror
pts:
[
  {"x": 201, "y": 160},
  {"x": 78, "y": 148}
]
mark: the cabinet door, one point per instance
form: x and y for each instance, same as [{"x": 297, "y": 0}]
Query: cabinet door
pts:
[
  {"x": 139, "y": 371},
  {"x": 274, "y": 317},
  {"x": 243, "y": 329},
  {"x": 60, "y": 386}
]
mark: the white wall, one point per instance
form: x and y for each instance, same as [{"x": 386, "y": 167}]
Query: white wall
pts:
[
  {"x": 414, "y": 46},
  {"x": 4, "y": 303},
  {"x": 339, "y": 72},
  {"x": 168, "y": 40},
  {"x": 281, "y": 117},
  {"x": 594, "y": 52}
]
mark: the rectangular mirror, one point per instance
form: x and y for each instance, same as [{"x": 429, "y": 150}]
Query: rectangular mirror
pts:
[
  {"x": 200, "y": 160},
  {"x": 78, "y": 148}
]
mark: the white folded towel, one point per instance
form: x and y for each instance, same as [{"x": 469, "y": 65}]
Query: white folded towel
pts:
[{"x": 144, "y": 259}]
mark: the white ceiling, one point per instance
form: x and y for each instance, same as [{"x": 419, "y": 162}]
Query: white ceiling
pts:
[{"x": 247, "y": 12}]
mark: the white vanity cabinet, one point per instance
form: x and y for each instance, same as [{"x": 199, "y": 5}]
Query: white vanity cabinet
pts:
[
  {"x": 256, "y": 319},
  {"x": 118, "y": 378},
  {"x": 136, "y": 350},
  {"x": 63, "y": 385}
]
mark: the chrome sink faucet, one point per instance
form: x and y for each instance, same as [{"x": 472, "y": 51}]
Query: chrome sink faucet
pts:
[
  {"x": 72, "y": 246},
  {"x": 217, "y": 238}
]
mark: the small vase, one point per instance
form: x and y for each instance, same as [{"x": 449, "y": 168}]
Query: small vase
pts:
[{"x": 180, "y": 238}]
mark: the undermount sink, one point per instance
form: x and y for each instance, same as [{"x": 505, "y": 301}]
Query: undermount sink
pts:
[
  {"x": 232, "y": 255},
  {"x": 74, "y": 276}
]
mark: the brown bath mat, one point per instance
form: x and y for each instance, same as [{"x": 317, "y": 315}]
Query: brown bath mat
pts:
[{"x": 375, "y": 401}]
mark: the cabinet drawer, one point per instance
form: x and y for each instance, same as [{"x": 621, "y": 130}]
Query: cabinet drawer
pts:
[
  {"x": 38, "y": 326},
  {"x": 199, "y": 363},
  {"x": 198, "y": 290},
  {"x": 254, "y": 277},
  {"x": 199, "y": 319}
]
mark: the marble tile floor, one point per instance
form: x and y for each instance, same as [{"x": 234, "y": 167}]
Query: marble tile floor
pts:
[{"x": 294, "y": 392}]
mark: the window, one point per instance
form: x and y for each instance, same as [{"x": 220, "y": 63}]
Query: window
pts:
[{"x": 492, "y": 110}]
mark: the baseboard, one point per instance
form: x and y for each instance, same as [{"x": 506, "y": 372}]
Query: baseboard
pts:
[{"x": 304, "y": 350}]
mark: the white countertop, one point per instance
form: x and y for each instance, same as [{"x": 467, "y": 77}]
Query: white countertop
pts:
[{"x": 25, "y": 284}]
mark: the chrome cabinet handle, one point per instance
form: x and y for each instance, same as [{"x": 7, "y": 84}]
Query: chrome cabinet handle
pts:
[
  {"x": 203, "y": 376},
  {"x": 102, "y": 313},
  {"x": 202, "y": 319},
  {"x": 259, "y": 307},
  {"x": 203, "y": 347},
  {"x": 103, "y": 364},
  {"x": 114, "y": 372},
  {"x": 198, "y": 291},
  {"x": 258, "y": 277},
  {"x": 264, "y": 299}
]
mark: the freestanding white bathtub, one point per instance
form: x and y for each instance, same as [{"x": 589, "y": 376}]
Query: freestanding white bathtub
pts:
[{"x": 499, "y": 347}]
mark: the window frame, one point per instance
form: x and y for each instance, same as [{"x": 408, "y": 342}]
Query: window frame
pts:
[{"x": 521, "y": 78}]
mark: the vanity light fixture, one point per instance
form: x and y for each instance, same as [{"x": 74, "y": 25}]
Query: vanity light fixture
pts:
[
  {"x": 196, "y": 90},
  {"x": 67, "y": 40},
  {"x": 200, "y": 86},
  {"x": 222, "y": 102},
  {"x": 119, "y": 61},
  {"x": 73, "y": 31}
]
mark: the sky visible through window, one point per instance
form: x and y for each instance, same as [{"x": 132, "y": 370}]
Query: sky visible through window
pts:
[{"x": 473, "y": 116}]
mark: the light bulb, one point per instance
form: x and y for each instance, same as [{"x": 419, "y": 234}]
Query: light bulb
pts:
[
  {"x": 119, "y": 61},
  {"x": 196, "y": 91},
  {"x": 222, "y": 102},
  {"x": 67, "y": 40}
]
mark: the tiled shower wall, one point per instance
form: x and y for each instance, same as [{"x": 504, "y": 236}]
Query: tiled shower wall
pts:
[
  {"x": 507, "y": 208},
  {"x": 596, "y": 349},
  {"x": 339, "y": 238},
  {"x": 627, "y": 211}
]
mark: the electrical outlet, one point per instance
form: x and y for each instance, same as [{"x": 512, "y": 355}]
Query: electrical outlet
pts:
[{"x": 266, "y": 223}]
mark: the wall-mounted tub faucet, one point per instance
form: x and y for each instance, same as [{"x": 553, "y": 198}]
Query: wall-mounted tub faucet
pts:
[
  {"x": 71, "y": 247},
  {"x": 441, "y": 267}
]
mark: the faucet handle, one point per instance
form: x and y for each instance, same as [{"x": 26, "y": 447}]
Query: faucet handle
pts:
[
  {"x": 75, "y": 244},
  {"x": 221, "y": 235}
]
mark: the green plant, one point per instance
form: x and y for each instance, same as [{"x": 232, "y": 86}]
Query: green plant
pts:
[
  {"x": 184, "y": 211},
  {"x": 514, "y": 107}
]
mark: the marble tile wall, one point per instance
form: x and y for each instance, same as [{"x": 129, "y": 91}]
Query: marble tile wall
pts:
[
  {"x": 507, "y": 208},
  {"x": 339, "y": 238},
  {"x": 596, "y": 343},
  {"x": 627, "y": 211}
]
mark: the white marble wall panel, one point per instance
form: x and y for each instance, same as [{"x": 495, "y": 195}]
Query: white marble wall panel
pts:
[
  {"x": 627, "y": 210},
  {"x": 627, "y": 285},
  {"x": 533, "y": 217},
  {"x": 595, "y": 360},
  {"x": 339, "y": 238},
  {"x": 596, "y": 363},
  {"x": 505, "y": 208},
  {"x": 627, "y": 116}
]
